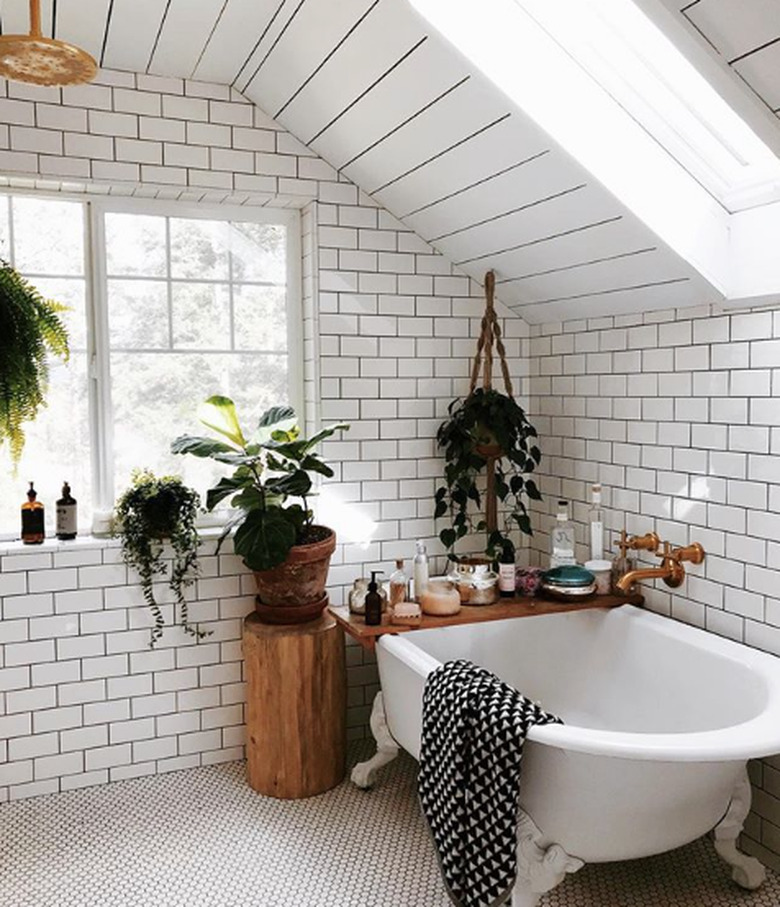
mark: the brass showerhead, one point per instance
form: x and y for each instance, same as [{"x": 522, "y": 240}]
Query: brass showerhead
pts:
[{"x": 44, "y": 61}]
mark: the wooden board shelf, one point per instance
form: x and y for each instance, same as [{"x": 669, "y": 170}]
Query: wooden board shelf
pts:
[{"x": 355, "y": 625}]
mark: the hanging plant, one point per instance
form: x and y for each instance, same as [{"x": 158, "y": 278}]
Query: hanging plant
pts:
[
  {"x": 488, "y": 444},
  {"x": 153, "y": 511},
  {"x": 30, "y": 329}
]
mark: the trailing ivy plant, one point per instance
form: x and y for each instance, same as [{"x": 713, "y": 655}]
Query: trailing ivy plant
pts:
[
  {"x": 150, "y": 512},
  {"x": 486, "y": 422},
  {"x": 30, "y": 330}
]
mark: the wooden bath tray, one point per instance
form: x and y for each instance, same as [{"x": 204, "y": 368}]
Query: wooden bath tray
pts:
[{"x": 355, "y": 626}]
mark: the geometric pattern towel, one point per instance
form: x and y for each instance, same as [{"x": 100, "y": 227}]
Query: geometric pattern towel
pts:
[{"x": 473, "y": 729}]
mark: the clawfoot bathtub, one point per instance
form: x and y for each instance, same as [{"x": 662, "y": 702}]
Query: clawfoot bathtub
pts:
[{"x": 660, "y": 720}]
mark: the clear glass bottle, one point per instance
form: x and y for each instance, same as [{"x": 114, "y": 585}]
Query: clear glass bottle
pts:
[
  {"x": 562, "y": 538},
  {"x": 420, "y": 574},
  {"x": 33, "y": 532},
  {"x": 399, "y": 584},
  {"x": 596, "y": 525}
]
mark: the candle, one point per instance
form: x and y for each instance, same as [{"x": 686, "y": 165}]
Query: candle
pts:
[{"x": 440, "y": 598}]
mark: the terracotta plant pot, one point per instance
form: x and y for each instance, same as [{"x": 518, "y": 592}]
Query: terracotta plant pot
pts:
[
  {"x": 287, "y": 614},
  {"x": 297, "y": 584}
]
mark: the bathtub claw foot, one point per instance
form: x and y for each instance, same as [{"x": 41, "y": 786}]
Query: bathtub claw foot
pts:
[
  {"x": 539, "y": 869},
  {"x": 363, "y": 773},
  {"x": 746, "y": 871}
]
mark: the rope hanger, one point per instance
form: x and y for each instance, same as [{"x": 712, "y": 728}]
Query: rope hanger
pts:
[{"x": 490, "y": 333}]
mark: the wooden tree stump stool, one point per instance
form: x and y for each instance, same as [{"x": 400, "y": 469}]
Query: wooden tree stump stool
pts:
[{"x": 296, "y": 707}]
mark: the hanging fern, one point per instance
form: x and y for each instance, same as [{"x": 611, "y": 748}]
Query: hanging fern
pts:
[
  {"x": 30, "y": 329},
  {"x": 151, "y": 511}
]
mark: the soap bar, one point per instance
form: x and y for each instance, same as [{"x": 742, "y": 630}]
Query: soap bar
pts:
[{"x": 406, "y": 614}]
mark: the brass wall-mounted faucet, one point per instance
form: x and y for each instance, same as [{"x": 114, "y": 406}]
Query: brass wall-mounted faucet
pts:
[{"x": 671, "y": 569}]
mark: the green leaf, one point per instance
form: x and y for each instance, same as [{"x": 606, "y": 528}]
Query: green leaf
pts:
[
  {"x": 297, "y": 484},
  {"x": 264, "y": 539},
  {"x": 524, "y": 522},
  {"x": 219, "y": 414},
  {"x": 275, "y": 415},
  {"x": 448, "y": 537},
  {"x": 536, "y": 454},
  {"x": 224, "y": 488},
  {"x": 199, "y": 446},
  {"x": 532, "y": 491},
  {"x": 441, "y": 509},
  {"x": 249, "y": 498},
  {"x": 313, "y": 464}
]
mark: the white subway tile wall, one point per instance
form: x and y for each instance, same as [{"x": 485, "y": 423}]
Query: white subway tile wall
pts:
[
  {"x": 676, "y": 414},
  {"x": 389, "y": 331}
]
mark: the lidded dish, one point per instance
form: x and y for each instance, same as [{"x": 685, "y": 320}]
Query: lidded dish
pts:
[
  {"x": 476, "y": 581},
  {"x": 569, "y": 582}
]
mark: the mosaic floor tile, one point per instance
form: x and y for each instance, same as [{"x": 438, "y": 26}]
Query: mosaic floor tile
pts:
[{"x": 203, "y": 838}]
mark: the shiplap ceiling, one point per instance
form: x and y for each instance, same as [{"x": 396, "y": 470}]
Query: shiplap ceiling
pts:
[
  {"x": 393, "y": 107},
  {"x": 746, "y": 34}
]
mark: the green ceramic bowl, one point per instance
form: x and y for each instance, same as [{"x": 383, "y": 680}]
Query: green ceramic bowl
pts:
[{"x": 571, "y": 576}]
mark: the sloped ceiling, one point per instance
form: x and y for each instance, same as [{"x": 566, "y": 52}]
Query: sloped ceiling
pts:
[{"x": 367, "y": 86}]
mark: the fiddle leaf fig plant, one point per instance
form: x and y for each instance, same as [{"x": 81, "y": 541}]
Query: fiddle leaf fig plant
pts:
[
  {"x": 486, "y": 424},
  {"x": 272, "y": 465},
  {"x": 30, "y": 330},
  {"x": 152, "y": 511}
]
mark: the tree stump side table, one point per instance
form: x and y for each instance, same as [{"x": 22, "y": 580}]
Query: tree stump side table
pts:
[{"x": 296, "y": 706}]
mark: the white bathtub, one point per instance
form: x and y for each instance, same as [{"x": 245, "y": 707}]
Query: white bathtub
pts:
[{"x": 660, "y": 719}]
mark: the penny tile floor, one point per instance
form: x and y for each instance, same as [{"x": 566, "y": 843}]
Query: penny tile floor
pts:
[{"x": 203, "y": 838}]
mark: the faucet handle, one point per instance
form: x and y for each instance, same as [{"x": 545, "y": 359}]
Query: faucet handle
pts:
[
  {"x": 647, "y": 542},
  {"x": 693, "y": 553}
]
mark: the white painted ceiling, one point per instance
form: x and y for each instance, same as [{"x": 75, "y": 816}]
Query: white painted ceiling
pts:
[{"x": 393, "y": 107}]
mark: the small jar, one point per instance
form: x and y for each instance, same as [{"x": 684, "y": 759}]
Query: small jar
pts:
[
  {"x": 602, "y": 572},
  {"x": 357, "y": 596},
  {"x": 477, "y": 582},
  {"x": 440, "y": 598}
]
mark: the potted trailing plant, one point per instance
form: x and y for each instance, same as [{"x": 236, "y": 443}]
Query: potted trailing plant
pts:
[
  {"x": 486, "y": 427},
  {"x": 30, "y": 329},
  {"x": 274, "y": 528},
  {"x": 153, "y": 511}
]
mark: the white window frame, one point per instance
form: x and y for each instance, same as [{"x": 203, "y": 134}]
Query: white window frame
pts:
[{"x": 96, "y": 288}]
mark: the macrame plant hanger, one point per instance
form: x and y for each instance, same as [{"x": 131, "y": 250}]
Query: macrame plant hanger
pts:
[{"x": 490, "y": 334}]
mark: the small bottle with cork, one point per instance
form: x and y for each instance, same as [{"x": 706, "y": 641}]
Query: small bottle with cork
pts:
[{"x": 33, "y": 531}]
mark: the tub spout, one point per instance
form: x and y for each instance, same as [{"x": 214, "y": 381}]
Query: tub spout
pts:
[{"x": 671, "y": 569}]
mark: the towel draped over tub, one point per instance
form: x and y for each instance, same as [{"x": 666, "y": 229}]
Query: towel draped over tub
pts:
[{"x": 473, "y": 730}]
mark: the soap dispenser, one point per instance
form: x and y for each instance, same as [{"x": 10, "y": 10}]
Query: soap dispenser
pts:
[{"x": 373, "y": 602}]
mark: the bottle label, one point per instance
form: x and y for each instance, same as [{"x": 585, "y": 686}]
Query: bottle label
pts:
[
  {"x": 506, "y": 577},
  {"x": 32, "y": 522},
  {"x": 67, "y": 520},
  {"x": 596, "y": 540}
]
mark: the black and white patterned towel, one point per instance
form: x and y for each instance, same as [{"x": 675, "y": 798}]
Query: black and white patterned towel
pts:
[{"x": 474, "y": 727}]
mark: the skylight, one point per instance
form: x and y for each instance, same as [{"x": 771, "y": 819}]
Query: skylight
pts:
[
  {"x": 622, "y": 53},
  {"x": 631, "y": 58}
]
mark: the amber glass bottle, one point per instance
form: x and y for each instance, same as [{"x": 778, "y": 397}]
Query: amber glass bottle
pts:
[{"x": 33, "y": 532}]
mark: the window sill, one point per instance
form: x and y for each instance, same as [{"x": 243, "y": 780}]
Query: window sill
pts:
[{"x": 90, "y": 542}]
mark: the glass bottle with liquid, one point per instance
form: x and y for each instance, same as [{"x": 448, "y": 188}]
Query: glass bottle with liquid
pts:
[
  {"x": 399, "y": 584},
  {"x": 506, "y": 570},
  {"x": 420, "y": 570},
  {"x": 596, "y": 525},
  {"x": 67, "y": 515},
  {"x": 33, "y": 532},
  {"x": 562, "y": 538}
]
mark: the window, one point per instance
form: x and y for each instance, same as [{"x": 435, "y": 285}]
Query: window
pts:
[{"x": 180, "y": 303}]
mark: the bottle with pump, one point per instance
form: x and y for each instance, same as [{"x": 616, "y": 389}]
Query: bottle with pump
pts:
[
  {"x": 373, "y": 610},
  {"x": 33, "y": 532},
  {"x": 596, "y": 524},
  {"x": 399, "y": 584},
  {"x": 420, "y": 570},
  {"x": 562, "y": 538},
  {"x": 506, "y": 570},
  {"x": 67, "y": 518}
]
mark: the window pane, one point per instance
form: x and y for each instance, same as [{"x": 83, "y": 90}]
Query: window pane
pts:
[
  {"x": 138, "y": 314},
  {"x": 48, "y": 236},
  {"x": 135, "y": 244},
  {"x": 199, "y": 249},
  {"x": 156, "y": 397},
  {"x": 258, "y": 252},
  {"x": 260, "y": 318},
  {"x": 57, "y": 449},
  {"x": 201, "y": 316}
]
